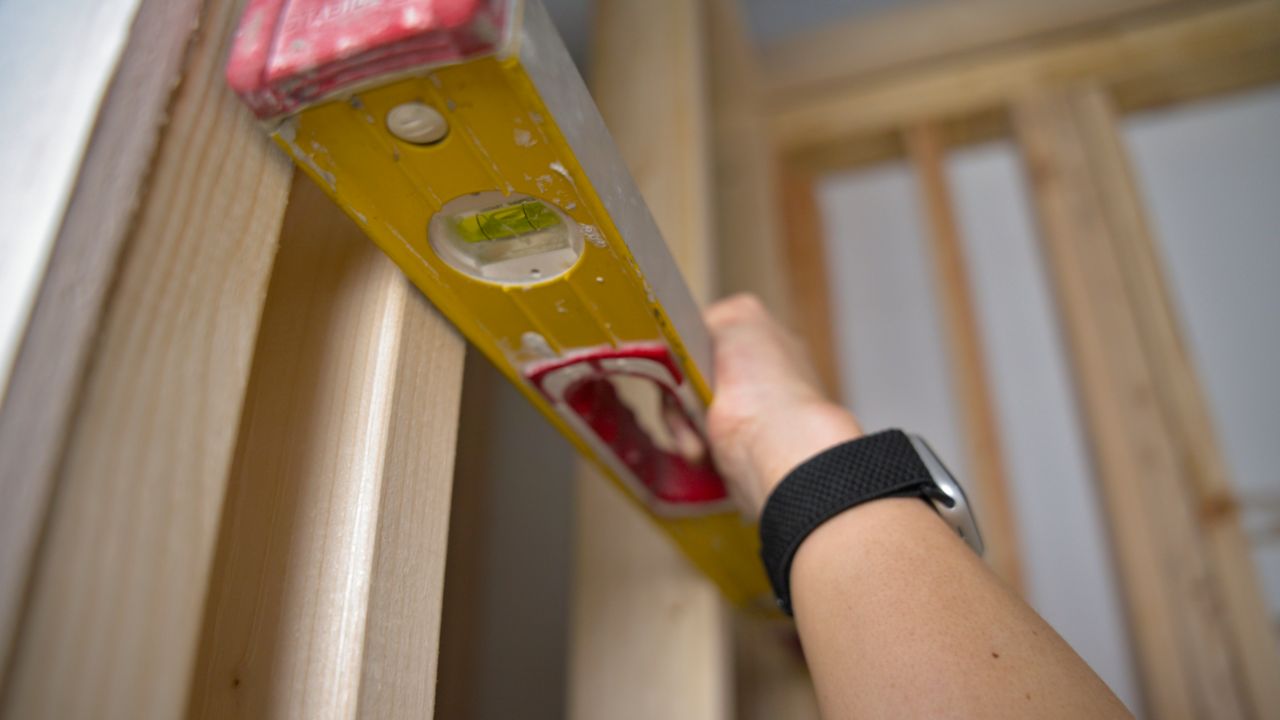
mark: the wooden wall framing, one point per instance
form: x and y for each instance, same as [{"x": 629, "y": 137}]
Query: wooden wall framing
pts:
[
  {"x": 165, "y": 459},
  {"x": 1202, "y": 638},
  {"x": 1196, "y": 610}
]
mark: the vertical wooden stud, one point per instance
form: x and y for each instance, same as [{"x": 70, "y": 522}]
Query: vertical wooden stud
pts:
[
  {"x": 974, "y": 400},
  {"x": 327, "y": 588},
  {"x": 1179, "y": 566},
  {"x": 804, "y": 240},
  {"x": 770, "y": 677}
]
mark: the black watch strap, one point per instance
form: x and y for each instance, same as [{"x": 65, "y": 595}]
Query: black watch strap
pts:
[{"x": 885, "y": 464}]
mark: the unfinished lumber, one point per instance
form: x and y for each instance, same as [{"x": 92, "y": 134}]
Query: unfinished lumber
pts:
[
  {"x": 899, "y": 39},
  {"x": 113, "y": 608},
  {"x": 661, "y": 126},
  {"x": 770, "y": 678},
  {"x": 804, "y": 239},
  {"x": 1181, "y": 400},
  {"x": 406, "y": 584},
  {"x": 751, "y": 257},
  {"x": 975, "y": 403},
  {"x": 44, "y": 387},
  {"x": 1195, "y": 660},
  {"x": 462, "y": 672},
  {"x": 1185, "y": 52},
  {"x": 648, "y": 634},
  {"x": 326, "y": 590}
]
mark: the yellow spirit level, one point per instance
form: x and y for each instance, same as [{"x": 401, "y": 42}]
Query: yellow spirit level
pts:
[{"x": 460, "y": 137}]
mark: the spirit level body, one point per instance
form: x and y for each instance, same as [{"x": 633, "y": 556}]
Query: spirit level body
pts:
[{"x": 527, "y": 145}]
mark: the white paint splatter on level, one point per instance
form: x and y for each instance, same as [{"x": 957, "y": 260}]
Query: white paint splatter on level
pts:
[
  {"x": 524, "y": 138},
  {"x": 534, "y": 344},
  {"x": 288, "y": 132},
  {"x": 558, "y": 167},
  {"x": 594, "y": 236}
]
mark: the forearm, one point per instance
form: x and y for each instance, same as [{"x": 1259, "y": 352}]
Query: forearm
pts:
[{"x": 899, "y": 618}]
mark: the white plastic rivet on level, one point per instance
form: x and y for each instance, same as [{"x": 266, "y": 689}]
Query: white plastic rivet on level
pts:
[{"x": 417, "y": 123}]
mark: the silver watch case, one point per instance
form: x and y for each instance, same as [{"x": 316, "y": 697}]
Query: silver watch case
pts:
[{"x": 958, "y": 513}]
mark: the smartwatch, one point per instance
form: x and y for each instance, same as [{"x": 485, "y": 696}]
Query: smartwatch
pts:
[{"x": 891, "y": 463}]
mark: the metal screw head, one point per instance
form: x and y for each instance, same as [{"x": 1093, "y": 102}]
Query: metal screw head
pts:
[{"x": 417, "y": 123}]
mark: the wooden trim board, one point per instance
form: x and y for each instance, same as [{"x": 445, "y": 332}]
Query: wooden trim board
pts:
[
  {"x": 113, "y": 612},
  {"x": 61, "y": 60},
  {"x": 49, "y": 370}
]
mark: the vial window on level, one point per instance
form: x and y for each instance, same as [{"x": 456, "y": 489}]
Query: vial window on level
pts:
[{"x": 505, "y": 238}]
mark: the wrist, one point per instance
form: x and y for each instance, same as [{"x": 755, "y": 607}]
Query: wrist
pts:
[{"x": 788, "y": 438}]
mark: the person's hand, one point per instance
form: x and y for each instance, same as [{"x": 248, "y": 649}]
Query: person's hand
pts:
[{"x": 767, "y": 415}]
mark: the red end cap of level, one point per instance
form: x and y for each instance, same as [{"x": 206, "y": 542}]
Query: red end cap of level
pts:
[{"x": 290, "y": 53}]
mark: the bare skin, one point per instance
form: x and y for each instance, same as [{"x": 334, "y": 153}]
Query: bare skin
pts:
[{"x": 898, "y": 617}]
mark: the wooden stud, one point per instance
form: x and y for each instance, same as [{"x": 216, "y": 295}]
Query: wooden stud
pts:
[
  {"x": 1182, "y": 401},
  {"x": 804, "y": 237},
  {"x": 899, "y": 39},
  {"x": 1193, "y": 659},
  {"x": 649, "y": 79},
  {"x": 327, "y": 587},
  {"x": 649, "y": 635},
  {"x": 1185, "y": 52},
  {"x": 113, "y": 612},
  {"x": 968, "y": 369},
  {"x": 770, "y": 677},
  {"x": 462, "y": 677},
  {"x": 748, "y": 227}
]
